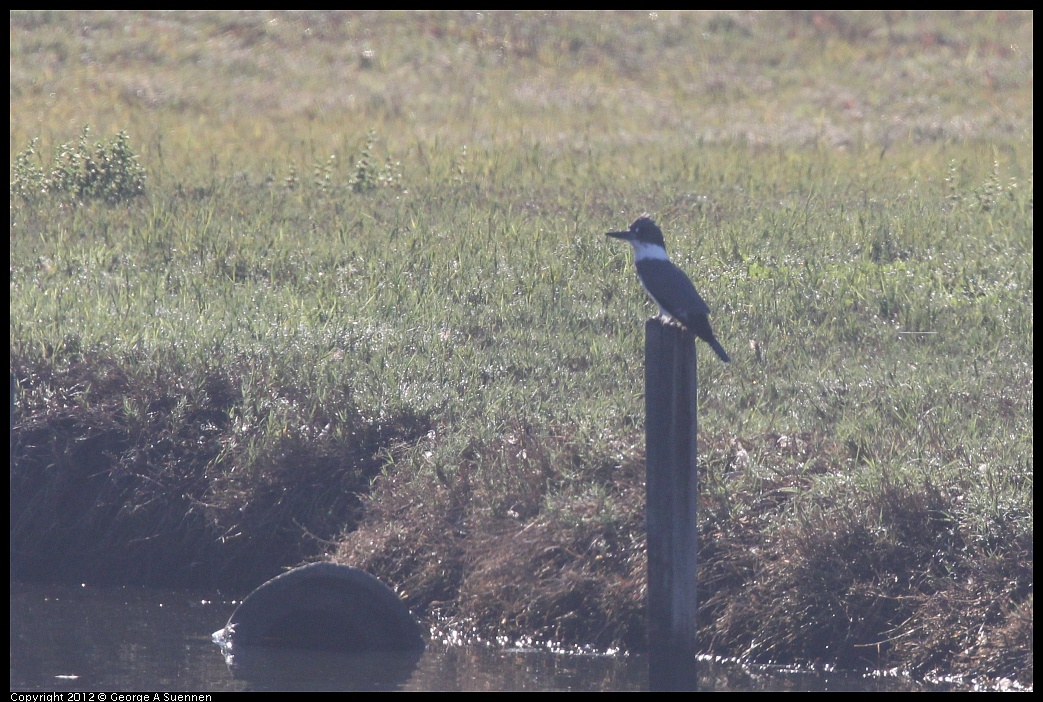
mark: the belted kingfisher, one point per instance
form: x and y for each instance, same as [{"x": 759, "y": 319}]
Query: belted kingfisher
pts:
[{"x": 667, "y": 284}]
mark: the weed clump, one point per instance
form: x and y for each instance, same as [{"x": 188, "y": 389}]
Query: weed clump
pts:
[
  {"x": 108, "y": 170},
  {"x": 367, "y": 174}
]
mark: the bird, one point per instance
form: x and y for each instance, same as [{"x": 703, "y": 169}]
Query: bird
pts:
[{"x": 666, "y": 284}]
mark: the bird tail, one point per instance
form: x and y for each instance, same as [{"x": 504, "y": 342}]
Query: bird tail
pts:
[{"x": 719, "y": 350}]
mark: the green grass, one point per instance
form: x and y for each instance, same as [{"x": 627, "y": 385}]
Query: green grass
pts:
[{"x": 365, "y": 306}]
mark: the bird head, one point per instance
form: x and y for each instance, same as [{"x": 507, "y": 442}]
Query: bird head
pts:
[{"x": 642, "y": 231}]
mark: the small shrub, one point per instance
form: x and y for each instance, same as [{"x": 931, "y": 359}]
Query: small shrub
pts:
[
  {"x": 368, "y": 175},
  {"x": 107, "y": 171},
  {"x": 28, "y": 181}
]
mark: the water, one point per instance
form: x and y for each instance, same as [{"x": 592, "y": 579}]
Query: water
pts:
[{"x": 133, "y": 639}]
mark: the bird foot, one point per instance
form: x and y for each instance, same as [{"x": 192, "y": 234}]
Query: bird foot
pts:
[{"x": 668, "y": 321}]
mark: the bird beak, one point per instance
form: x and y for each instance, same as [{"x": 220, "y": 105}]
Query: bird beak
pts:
[{"x": 620, "y": 235}]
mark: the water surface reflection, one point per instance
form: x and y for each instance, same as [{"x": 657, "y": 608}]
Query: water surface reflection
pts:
[{"x": 133, "y": 639}]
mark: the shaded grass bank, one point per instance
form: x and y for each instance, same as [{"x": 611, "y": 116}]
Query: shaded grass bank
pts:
[{"x": 148, "y": 474}]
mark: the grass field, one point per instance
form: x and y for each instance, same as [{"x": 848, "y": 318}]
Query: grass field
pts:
[{"x": 294, "y": 283}]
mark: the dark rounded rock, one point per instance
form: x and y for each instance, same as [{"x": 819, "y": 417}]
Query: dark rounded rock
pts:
[{"x": 323, "y": 606}]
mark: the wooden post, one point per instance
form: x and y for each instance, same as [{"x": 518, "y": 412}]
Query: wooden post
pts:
[{"x": 670, "y": 510}]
